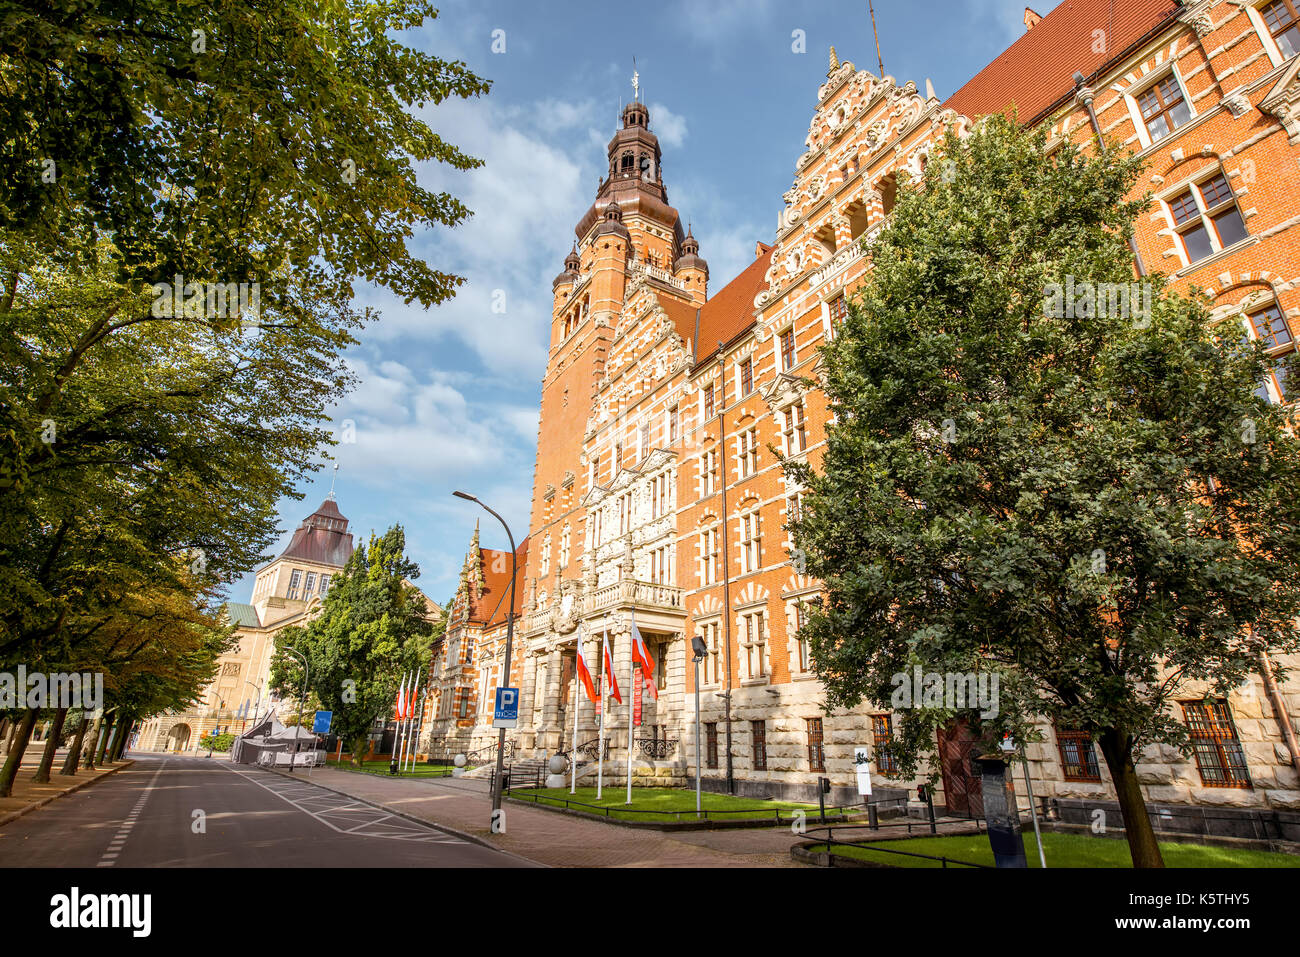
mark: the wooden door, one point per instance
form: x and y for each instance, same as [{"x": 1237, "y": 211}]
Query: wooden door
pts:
[{"x": 961, "y": 785}]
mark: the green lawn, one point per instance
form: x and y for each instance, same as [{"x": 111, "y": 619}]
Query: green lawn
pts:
[
  {"x": 679, "y": 800},
  {"x": 420, "y": 770},
  {"x": 1063, "y": 850}
]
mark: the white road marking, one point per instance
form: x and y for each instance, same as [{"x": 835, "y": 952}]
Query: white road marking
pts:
[
  {"x": 114, "y": 849},
  {"x": 399, "y": 830}
]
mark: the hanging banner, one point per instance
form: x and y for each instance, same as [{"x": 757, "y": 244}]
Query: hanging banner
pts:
[{"x": 637, "y": 695}]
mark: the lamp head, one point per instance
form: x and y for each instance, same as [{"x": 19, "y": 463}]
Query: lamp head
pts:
[
  {"x": 699, "y": 647},
  {"x": 464, "y": 495}
]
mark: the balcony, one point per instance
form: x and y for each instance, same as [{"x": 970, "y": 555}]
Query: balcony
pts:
[{"x": 630, "y": 592}]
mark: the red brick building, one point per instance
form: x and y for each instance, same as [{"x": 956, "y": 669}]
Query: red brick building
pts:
[{"x": 656, "y": 493}]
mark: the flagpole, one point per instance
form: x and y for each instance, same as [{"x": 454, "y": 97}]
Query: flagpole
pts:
[
  {"x": 577, "y": 703},
  {"x": 419, "y": 724},
  {"x": 631, "y": 701},
  {"x": 406, "y": 722},
  {"x": 410, "y": 723},
  {"x": 600, "y": 735},
  {"x": 397, "y": 741}
]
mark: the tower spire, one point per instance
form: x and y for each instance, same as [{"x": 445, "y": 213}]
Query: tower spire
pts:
[{"x": 332, "y": 481}]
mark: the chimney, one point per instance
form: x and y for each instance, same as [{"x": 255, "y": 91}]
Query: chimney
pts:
[{"x": 1031, "y": 19}]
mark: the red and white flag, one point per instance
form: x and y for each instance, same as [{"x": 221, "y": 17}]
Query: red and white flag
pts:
[
  {"x": 584, "y": 673},
  {"x": 401, "y": 700},
  {"x": 642, "y": 654},
  {"x": 609, "y": 673}
]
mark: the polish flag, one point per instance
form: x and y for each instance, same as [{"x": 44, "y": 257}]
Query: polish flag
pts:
[
  {"x": 609, "y": 673},
  {"x": 584, "y": 674},
  {"x": 401, "y": 699},
  {"x": 642, "y": 654}
]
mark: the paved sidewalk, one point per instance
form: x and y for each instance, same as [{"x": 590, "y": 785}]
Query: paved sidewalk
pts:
[
  {"x": 28, "y": 795},
  {"x": 559, "y": 840}
]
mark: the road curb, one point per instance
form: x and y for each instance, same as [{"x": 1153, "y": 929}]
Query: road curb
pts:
[
  {"x": 15, "y": 815},
  {"x": 415, "y": 819}
]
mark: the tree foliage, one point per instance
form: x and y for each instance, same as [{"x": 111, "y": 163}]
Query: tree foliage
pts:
[
  {"x": 1097, "y": 506},
  {"x": 373, "y": 627}
]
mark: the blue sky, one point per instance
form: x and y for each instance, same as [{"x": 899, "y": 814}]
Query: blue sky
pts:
[{"x": 448, "y": 397}]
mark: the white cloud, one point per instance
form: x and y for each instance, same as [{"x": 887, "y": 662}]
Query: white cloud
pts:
[{"x": 668, "y": 126}]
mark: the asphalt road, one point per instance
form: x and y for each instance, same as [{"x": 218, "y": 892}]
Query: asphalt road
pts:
[{"x": 148, "y": 816}]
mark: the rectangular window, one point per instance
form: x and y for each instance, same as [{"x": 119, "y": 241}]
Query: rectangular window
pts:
[
  {"x": 711, "y": 666},
  {"x": 787, "y": 349},
  {"x": 708, "y": 402},
  {"x": 674, "y": 424},
  {"x": 660, "y": 654},
  {"x": 746, "y": 377},
  {"x": 325, "y": 583},
  {"x": 708, "y": 472},
  {"x": 1282, "y": 18},
  {"x": 1270, "y": 326},
  {"x": 1207, "y": 218},
  {"x": 469, "y": 649},
  {"x": 839, "y": 309},
  {"x": 643, "y": 440},
  {"x": 310, "y": 586},
  {"x": 804, "y": 662},
  {"x": 816, "y": 752},
  {"x": 708, "y": 558},
  {"x": 1219, "y": 756},
  {"x": 882, "y": 729},
  {"x": 462, "y": 703},
  {"x": 758, "y": 731},
  {"x": 753, "y": 645},
  {"x": 795, "y": 432},
  {"x": 711, "y": 744},
  {"x": 295, "y": 580},
  {"x": 751, "y": 550},
  {"x": 748, "y": 452},
  {"x": 1163, "y": 108},
  {"x": 1078, "y": 755}
]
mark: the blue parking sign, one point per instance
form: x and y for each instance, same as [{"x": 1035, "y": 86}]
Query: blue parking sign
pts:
[
  {"x": 322, "y": 723},
  {"x": 506, "y": 712}
]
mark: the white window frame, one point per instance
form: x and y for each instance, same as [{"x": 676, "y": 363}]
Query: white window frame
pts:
[
  {"x": 1194, "y": 185},
  {"x": 1132, "y": 94},
  {"x": 1274, "y": 52}
]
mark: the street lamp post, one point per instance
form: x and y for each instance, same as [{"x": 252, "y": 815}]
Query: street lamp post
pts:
[
  {"x": 505, "y": 668},
  {"x": 293, "y": 755},
  {"x": 700, "y": 649}
]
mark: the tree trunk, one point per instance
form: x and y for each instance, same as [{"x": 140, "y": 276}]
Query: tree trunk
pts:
[
  {"x": 1117, "y": 748},
  {"x": 119, "y": 748},
  {"x": 360, "y": 746},
  {"x": 102, "y": 747},
  {"x": 92, "y": 741},
  {"x": 73, "y": 757},
  {"x": 42, "y": 775},
  {"x": 16, "y": 749}
]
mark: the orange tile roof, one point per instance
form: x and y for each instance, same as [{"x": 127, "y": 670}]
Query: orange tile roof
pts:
[
  {"x": 490, "y": 608},
  {"x": 682, "y": 314},
  {"x": 731, "y": 311},
  {"x": 1038, "y": 69}
]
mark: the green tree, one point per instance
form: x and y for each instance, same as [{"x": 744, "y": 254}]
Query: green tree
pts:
[
  {"x": 373, "y": 627},
  {"x": 1098, "y": 507}
]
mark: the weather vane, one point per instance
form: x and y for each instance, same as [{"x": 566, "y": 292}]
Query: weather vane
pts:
[
  {"x": 333, "y": 480},
  {"x": 636, "y": 81}
]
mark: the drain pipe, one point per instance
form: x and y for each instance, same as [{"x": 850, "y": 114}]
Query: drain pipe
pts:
[
  {"x": 1085, "y": 96},
  {"x": 1279, "y": 708}
]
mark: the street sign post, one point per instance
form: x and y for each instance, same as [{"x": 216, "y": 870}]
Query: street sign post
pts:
[
  {"x": 322, "y": 723},
  {"x": 505, "y": 714}
]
